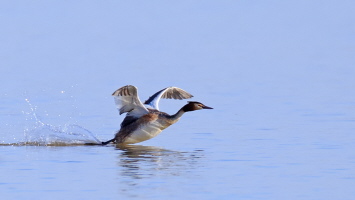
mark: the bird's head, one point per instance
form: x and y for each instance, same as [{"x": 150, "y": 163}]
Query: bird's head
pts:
[{"x": 194, "y": 105}]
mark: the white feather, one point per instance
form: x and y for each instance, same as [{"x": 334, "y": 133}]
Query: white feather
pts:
[
  {"x": 167, "y": 93},
  {"x": 127, "y": 100},
  {"x": 145, "y": 132}
]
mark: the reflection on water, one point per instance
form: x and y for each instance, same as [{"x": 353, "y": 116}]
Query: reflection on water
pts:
[{"x": 141, "y": 162}]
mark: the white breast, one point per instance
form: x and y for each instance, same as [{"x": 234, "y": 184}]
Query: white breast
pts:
[{"x": 145, "y": 132}]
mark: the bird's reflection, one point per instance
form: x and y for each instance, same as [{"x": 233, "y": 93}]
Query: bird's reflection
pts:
[{"x": 140, "y": 162}]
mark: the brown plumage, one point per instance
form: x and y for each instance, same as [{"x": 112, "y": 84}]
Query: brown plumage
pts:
[{"x": 141, "y": 123}]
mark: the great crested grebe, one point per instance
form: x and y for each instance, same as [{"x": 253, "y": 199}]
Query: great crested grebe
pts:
[{"x": 143, "y": 123}]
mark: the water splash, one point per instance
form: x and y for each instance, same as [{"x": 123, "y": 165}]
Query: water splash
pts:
[
  {"x": 43, "y": 134},
  {"x": 46, "y": 134}
]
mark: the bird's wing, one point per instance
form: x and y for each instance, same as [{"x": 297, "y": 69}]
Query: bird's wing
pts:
[
  {"x": 127, "y": 100},
  {"x": 167, "y": 93}
]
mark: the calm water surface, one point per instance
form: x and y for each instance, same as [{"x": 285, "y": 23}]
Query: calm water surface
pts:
[
  {"x": 279, "y": 75},
  {"x": 206, "y": 156}
]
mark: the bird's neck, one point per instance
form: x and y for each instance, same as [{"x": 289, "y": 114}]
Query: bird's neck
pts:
[{"x": 177, "y": 115}]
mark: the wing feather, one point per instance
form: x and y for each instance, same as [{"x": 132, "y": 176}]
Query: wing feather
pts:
[
  {"x": 127, "y": 100},
  {"x": 167, "y": 93}
]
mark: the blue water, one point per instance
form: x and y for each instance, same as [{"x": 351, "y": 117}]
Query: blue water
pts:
[{"x": 279, "y": 76}]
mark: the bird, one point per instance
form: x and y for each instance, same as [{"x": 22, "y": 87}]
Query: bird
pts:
[{"x": 145, "y": 121}]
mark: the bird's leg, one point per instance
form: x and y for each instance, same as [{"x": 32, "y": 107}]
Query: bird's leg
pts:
[{"x": 107, "y": 142}]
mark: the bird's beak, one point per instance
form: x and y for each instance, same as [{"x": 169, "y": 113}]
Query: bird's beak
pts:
[{"x": 206, "y": 107}]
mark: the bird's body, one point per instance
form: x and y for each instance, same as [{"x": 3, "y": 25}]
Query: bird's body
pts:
[
  {"x": 143, "y": 123},
  {"x": 145, "y": 128}
]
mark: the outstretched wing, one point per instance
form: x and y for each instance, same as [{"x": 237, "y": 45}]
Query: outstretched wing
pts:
[
  {"x": 127, "y": 100},
  {"x": 167, "y": 93}
]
